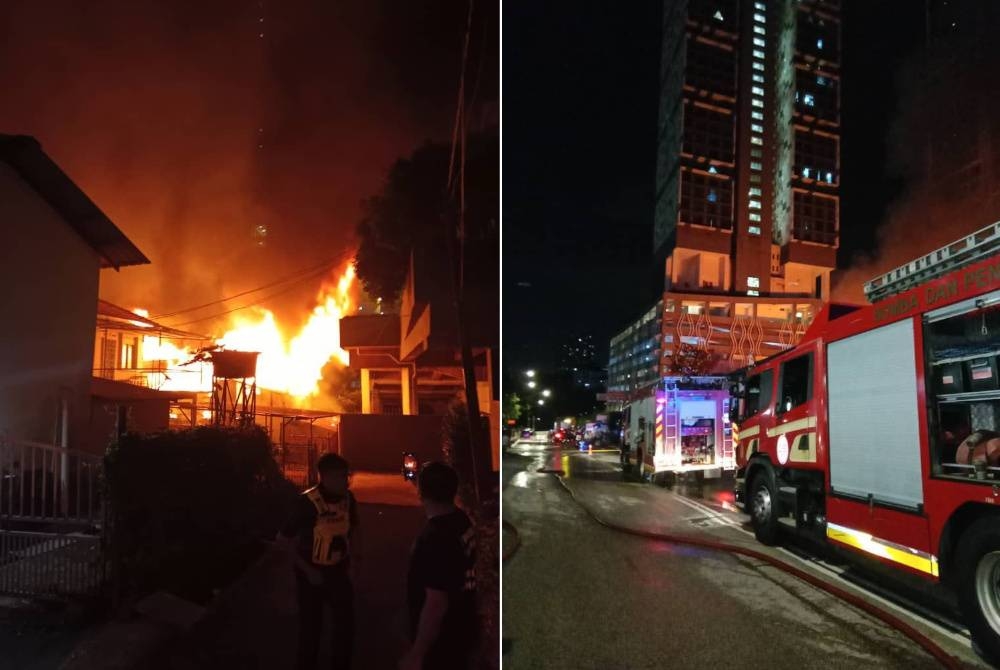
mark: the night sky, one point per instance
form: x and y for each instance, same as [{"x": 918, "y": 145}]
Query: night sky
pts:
[
  {"x": 158, "y": 110},
  {"x": 580, "y": 111}
]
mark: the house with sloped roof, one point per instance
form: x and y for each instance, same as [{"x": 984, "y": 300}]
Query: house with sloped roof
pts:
[{"x": 54, "y": 242}]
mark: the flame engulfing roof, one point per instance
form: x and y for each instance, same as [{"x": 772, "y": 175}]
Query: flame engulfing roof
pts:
[{"x": 24, "y": 154}]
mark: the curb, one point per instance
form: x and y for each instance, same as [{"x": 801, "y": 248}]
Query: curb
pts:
[
  {"x": 929, "y": 646},
  {"x": 509, "y": 554}
]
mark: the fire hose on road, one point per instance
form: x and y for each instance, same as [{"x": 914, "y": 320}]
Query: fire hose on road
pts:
[{"x": 945, "y": 659}]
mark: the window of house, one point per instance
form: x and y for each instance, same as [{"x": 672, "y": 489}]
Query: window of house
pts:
[
  {"x": 754, "y": 216},
  {"x": 759, "y": 78},
  {"x": 758, "y": 66},
  {"x": 760, "y": 18},
  {"x": 756, "y": 140},
  {"x": 753, "y": 282},
  {"x": 755, "y": 165},
  {"x": 753, "y": 191},
  {"x": 753, "y": 292},
  {"x": 758, "y": 42},
  {"x": 756, "y": 153},
  {"x": 757, "y": 116},
  {"x": 809, "y": 99},
  {"x": 759, "y": 30},
  {"x": 796, "y": 383},
  {"x": 757, "y": 53},
  {"x": 756, "y": 102},
  {"x": 109, "y": 355},
  {"x": 130, "y": 349},
  {"x": 754, "y": 204},
  {"x": 754, "y": 230},
  {"x": 756, "y": 127}
]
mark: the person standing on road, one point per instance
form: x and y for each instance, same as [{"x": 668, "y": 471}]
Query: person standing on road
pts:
[
  {"x": 626, "y": 465},
  {"x": 320, "y": 535},
  {"x": 441, "y": 586}
]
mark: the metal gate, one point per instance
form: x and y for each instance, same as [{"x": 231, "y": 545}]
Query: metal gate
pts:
[{"x": 51, "y": 521}]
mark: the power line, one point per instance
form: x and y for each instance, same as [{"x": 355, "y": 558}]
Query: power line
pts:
[
  {"x": 248, "y": 305},
  {"x": 299, "y": 276}
]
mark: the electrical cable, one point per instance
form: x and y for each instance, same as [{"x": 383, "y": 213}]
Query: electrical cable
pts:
[
  {"x": 256, "y": 302},
  {"x": 299, "y": 276}
]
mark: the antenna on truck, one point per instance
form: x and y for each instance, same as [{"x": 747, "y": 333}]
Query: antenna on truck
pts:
[{"x": 940, "y": 261}]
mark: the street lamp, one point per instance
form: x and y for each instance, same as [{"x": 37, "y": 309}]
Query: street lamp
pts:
[
  {"x": 530, "y": 373},
  {"x": 532, "y": 385},
  {"x": 541, "y": 402},
  {"x": 546, "y": 393}
]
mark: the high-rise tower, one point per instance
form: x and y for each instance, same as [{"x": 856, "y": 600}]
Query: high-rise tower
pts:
[{"x": 748, "y": 157}]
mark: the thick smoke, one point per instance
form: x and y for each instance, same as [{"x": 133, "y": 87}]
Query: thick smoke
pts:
[
  {"x": 155, "y": 110},
  {"x": 945, "y": 144}
]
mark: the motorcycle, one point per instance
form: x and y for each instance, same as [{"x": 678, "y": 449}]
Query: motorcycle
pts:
[{"x": 410, "y": 466}]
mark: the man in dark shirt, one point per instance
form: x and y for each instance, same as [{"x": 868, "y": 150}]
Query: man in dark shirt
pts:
[
  {"x": 320, "y": 535},
  {"x": 442, "y": 579}
]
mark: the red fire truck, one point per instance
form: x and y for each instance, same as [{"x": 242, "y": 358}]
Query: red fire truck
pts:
[{"x": 880, "y": 431}]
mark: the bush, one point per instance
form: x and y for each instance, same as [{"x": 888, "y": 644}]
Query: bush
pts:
[{"x": 190, "y": 508}]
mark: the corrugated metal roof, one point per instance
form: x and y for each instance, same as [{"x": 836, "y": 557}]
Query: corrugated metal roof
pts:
[
  {"x": 24, "y": 154},
  {"x": 110, "y": 315}
]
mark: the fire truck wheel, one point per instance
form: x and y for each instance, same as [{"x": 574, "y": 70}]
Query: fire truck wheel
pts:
[
  {"x": 978, "y": 563},
  {"x": 763, "y": 510}
]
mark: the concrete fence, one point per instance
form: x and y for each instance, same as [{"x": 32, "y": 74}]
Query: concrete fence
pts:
[{"x": 376, "y": 442}]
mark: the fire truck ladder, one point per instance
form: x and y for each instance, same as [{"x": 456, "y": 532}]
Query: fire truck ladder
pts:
[
  {"x": 671, "y": 420},
  {"x": 728, "y": 454},
  {"x": 961, "y": 252}
]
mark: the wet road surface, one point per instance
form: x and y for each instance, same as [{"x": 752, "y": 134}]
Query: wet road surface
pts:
[{"x": 579, "y": 595}]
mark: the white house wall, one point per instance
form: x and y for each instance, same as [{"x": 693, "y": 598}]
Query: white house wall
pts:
[{"x": 49, "y": 279}]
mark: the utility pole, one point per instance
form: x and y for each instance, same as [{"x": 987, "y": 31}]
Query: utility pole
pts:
[{"x": 458, "y": 283}]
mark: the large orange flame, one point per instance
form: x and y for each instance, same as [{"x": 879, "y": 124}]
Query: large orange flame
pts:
[{"x": 288, "y": 365}]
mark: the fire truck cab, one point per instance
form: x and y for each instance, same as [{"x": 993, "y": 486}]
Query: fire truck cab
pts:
[{"x": 880, "y": 431}]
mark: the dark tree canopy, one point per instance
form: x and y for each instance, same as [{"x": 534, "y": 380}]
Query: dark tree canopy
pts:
[{"x": 414, "y": 211}]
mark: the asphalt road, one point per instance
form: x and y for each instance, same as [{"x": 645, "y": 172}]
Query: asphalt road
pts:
[{"x": 579, "y": 595}]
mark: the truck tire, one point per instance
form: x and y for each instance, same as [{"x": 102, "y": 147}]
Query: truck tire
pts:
[
  {"x": 762, "y": 504},
  {"x": 978, "y": 563}
]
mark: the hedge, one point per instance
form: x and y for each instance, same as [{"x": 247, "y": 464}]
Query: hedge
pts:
[{"x": 191, "y": 509}]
